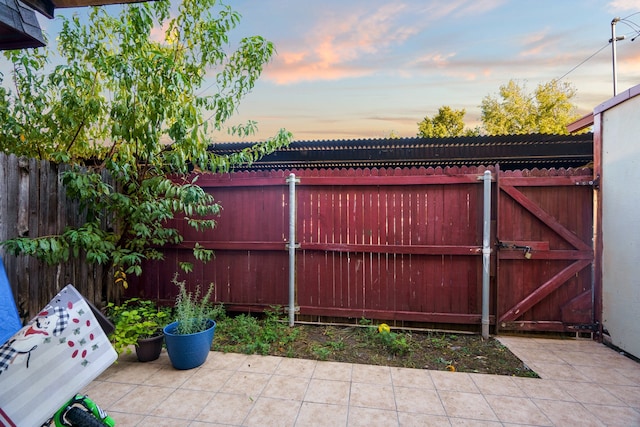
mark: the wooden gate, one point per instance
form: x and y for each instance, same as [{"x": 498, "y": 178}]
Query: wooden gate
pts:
[{"x": 544, "y": 252}]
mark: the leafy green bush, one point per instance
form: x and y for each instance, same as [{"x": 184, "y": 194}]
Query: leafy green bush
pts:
[{"x": 135, "y": 319}]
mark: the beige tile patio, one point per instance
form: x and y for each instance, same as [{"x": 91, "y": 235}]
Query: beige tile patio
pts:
[
  {"x": 598, "y": 357},
  {"x": 107, "y": 393},
  {"x": 453, "y": 381},
  {"x": 151, "y": 421},
  {"x": 218, "y": 360},
  {"x": 133, "y": 373},
  {"x": 517, "y": 410},
  {"x": 367, "y": 417},
  {"x": 167, "y": 376},
  {"x": 466, "y": 422},
  {"x": 467, "y": 405},
  {"x": 372, "y": 396},
  {"x": 406, "y": 419},
  {"x": 418, "y": 400},
  {"x": 558, "y": 371},
  {"x": 225, "y": 408},
  {"x": 206, "y": 424},
  {"x": 207, "y": 379},
  {"x": 612, "y": 376},
  {"x": 406, "y": 377},
  {"x": 321, "y": 414},
  {"x": 296, "y": 367},
  {"x": 630, "y": 395},
  {"x": 542, "y": 389},
  {"x": 328, "y": 391},
  {"x": 333, "y": 371},
  {"x": 286, "y": 387},
  {"x": 567, "y": 414},
  {"x": 142, "y": 399},
  {"x": 497, "y": 385},
  {"x": 126, "y": 419},
  {"x": 615, "y": 415},
  {"x": 252, "y": 390},
  {"x": 273, "y": 412},
  {"x": 632, "y": 371},
  {"x": 247, "y": 383},
  {"x": 371, "y": 374},
  {"x": 261, "y": 364},
  {"x": 183, "y": 404},
  {"x": 589, "y": 393},
  {"x": 539, "y": 355}
]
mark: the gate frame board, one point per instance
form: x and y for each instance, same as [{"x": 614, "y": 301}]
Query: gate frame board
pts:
[{"x": 582, "y": 256}]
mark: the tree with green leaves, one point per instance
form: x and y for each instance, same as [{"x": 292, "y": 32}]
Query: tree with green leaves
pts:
[
  {"x": 447, "y": 123},
  {"x": 134, "y": 107},
  {"x": 548, "y": 110}
]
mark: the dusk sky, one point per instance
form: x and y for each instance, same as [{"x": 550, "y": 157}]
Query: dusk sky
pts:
[{"x": 367, "y": 68}]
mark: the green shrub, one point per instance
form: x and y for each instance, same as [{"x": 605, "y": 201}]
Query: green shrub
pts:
[{"x": 133, "y": 320}]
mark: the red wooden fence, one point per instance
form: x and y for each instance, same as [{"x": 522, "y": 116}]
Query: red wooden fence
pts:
[{"x": 393, "y": 244}]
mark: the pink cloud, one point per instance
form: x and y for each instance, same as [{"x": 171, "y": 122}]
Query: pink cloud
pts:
[
  {"x": 338, "y": 41},
  {"x": 331, "y": 48}
]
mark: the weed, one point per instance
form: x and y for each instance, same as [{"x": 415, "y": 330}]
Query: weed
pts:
[
  {"x": 397, "y": 344},
  {"x": 247, "y": 334},
  {"x": 321, "y": 352}
]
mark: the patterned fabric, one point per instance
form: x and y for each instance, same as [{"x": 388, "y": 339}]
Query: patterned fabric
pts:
[
  {"x": 63, "y": 320},
  {"x": 7, "y": 353}
]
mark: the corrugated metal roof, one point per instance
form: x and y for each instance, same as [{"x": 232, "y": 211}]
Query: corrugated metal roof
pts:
[{"x": 510, "y": 151}]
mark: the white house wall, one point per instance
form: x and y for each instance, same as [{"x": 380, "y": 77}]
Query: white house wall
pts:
[{"x": 621, "y": 224}]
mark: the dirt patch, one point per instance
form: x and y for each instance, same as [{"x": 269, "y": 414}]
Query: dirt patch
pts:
[{"x": 367, "y": 345}]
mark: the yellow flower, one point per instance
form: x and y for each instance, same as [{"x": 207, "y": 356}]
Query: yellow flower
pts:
[
  {"x": 450, "y": 368},
  {"x": 384, "y": 328}
]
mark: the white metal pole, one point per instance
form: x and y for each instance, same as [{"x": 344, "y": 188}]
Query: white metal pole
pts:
[
  {"x": 486, "y": 253},
  {"x": 292, "y": 247},
  {"x": 614, "y": 58}
]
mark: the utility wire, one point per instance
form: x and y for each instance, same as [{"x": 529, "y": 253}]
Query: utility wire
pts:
[
  {"x": 635, "y": 27},
  {"x": 592, "y": 55}
]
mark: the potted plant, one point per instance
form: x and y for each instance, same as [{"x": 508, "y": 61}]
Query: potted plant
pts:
[
  {"x": 190, "y": 336},
  {"x": 137, "y": 323}
]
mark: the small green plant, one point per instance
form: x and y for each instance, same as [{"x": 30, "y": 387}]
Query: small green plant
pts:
[
  {"x": 247, "y": 334},
  {"x": 135, "y": 319},
  {"x": 396, "y": 343},
  {"x": 438, "y": 340},
  {"x": 192, "y": 311},
  {"x": 321, "y": 352}
]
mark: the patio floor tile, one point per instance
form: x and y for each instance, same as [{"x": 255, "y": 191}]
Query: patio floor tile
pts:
[
  {"x": 328, "y": 391},
  {"x": 225, "y": 408},
  {"x": 467, "y": 405},
  {"x": 321, "y": 414},
  {"x": 418, "y": 400},
  {"x": 367, "y": 417},
  {"x": 240, "y": 390},
  {"x": 273, "y": 412}
]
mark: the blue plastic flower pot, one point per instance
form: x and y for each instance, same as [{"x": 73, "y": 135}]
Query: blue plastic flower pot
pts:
[{"x": 188, "y": 351}]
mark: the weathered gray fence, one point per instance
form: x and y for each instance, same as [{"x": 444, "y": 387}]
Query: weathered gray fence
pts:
[{"x": 33, "y": 203}]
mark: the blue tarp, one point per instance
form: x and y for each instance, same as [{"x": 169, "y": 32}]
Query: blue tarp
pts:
[{"x": 9, "y": 318}]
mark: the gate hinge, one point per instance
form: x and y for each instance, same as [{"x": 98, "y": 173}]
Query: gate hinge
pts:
[
  {"x": 595, "y": 183},
  {"x": 593, "y": 327}
]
